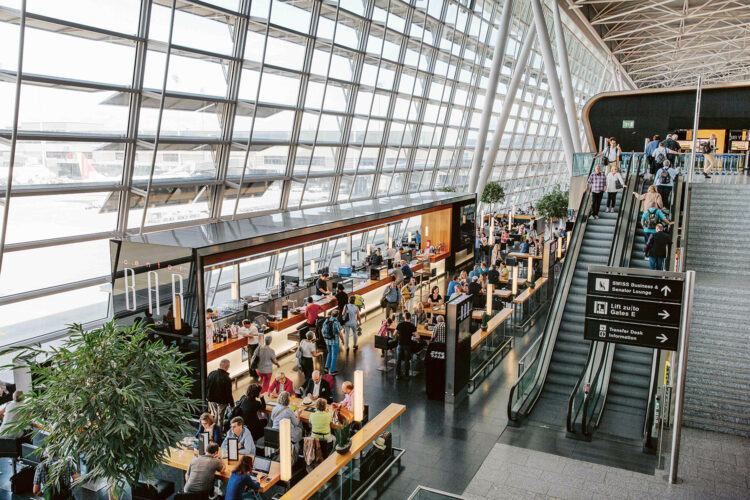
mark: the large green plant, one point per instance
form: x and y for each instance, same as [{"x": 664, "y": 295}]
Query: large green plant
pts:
[
  {"x": 553, "y": 205},
  {"x": 110, "y": 395},
  {"x": 493, "y": 193}
]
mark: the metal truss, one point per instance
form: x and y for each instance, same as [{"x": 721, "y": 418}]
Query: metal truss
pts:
[{"x": 666, "y": 43}]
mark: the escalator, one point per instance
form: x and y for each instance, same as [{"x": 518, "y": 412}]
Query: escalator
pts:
[
  {"x": 615, "y": 393},
  {"x": 560, "y": 355}
]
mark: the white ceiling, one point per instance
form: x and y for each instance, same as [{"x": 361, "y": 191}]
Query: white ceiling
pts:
[{"x": 667, "y": 43}]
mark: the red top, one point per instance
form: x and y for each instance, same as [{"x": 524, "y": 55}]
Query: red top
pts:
[
  {"x": 288, "y": 387},
  {"x": 312, "y": 311}
]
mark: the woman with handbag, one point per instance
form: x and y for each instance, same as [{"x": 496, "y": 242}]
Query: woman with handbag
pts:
[{"x": 614, "y": 184}]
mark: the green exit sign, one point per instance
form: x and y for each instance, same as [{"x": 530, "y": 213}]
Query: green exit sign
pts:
[{"x": 628, "y": 123}]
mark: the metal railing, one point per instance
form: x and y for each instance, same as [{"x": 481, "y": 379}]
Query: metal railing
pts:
[{"x": 527, "y": 387}]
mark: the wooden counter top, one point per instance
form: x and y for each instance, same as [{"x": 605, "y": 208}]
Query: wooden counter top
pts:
[
  {"x": 220, "y": 349},
  {"x": 311, "y": 483},
  {"x": 305, "y": 415},
  {"x": 526, "y": 294},
  {"x": 492, "y": 324},
  {"x": 519, "y": 255},
  {"x": 180, "y": 459}
]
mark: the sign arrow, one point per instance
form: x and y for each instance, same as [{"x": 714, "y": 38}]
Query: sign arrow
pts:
[
  {"x": 662, "y": 338},
  {"x": 665, "y": 290},
  {"x": 663, "y": 314}
]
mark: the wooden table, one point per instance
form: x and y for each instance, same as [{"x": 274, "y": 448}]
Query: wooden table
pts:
[
  {"x": 519, "y": 255},
  {"x": 304, "y": 416},
  {"x": 478, "y": 336},
  {"x": 180, "y": 459},
  {"x": 502, "y": 293},
  {"x": 422, "y": 331}
]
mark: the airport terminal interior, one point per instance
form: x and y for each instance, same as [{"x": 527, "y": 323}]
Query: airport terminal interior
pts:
[{"x": 374, "y": 249}]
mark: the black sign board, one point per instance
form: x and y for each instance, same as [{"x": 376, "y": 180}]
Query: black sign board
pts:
[
  {"x": 635, "y": 287},
  {"x": 657, "y": 337},
  {"x": 628, "y": 310}
]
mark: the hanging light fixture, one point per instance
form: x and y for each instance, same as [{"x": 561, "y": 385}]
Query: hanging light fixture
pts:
[
  {"x": 369, "y": 249},
  {"x": 343, "y": 258},
  {"x": 276, "y": 277},
  {"x": 312, "y": 266}
]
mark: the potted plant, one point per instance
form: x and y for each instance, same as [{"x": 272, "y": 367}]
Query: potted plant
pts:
[
  {"x": 485, "y": 321},
  {"x": 553, "y": 205},
  {"x": 447, "y": 189},
  {"x": 493, "y": 193},
  {"x": 343, "y": 437},
  {"x": 110, "y": 395}
]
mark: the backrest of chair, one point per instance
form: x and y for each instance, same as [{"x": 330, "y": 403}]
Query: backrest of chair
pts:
[
  {"x": 9, "y": 447},
  {"x": 381, "y": 342},
  {"x": 270, "y": 437},
  {"x": 191, "y": 496},
  {"x": 30, "y": 455}
]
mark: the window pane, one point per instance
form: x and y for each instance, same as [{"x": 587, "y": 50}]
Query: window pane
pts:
[
  {"x": 255, "y": 197},
  {"x": 175, "y": 161},
  {"x": 168, "y": 205}
]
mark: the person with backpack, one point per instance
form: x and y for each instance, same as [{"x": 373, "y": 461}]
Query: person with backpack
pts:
[
  {"x": 333, "y": 335},
  {"x": 708, "y": 149},
  {"x": 391, "y": 298},
  {"x": 664, "y": 182},
  {"x": 660, "y": 155},
  {"x": 649, "y": 150},
  {"x": 650, "y": 219},
  {"x": 610, "y": 155},
  {"x": 219, "y": 391},
  {"x": 251, "y": 406}
]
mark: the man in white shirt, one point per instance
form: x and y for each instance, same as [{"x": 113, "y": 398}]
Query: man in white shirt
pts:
[
  {"x": 250, "y": 331},
  {"x": 391, "y": 253},
  {"x": 10, "y": 417}
]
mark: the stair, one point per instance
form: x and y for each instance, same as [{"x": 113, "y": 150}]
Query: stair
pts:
[
  {"x": 717, "y": 389},
  {"x": 571, "y": 349}
]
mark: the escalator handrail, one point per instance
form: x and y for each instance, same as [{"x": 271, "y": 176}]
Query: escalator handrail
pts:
[
  {"x": 555, "y": 310},
  {"x": 594, "y": 407},
  {"x": 596, "y": 347}
]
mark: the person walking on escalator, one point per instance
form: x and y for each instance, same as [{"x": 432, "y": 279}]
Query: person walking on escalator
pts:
[
  {"x": 610, "y": 155},
  {"x": 614, "y": 184},
  {"x": 596, "y": 182},
  {"x": 664, "y": 182},
  {"x": 650, "y": 147},
  {"x": 650, "y": 219},
  {"x": 657, "y": 247}
]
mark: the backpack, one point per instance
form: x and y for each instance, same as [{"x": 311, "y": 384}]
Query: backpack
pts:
[
  {"x": 706, "y": 147},
  {"x": 660, "y": 156},
  {"x": 230, "y": 413},
  {"x": 328, "y": 329},
  {"x": 406, "y": 292},
  {"x": 664, "y": 177},
  {"x": 652, "y": 219}
]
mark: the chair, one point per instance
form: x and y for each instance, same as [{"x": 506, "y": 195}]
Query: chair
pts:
[
  {"x": 159, "y": 490},
  {"x": 270, "y": 441},
  {"x": 191, "y": 496},
  {"x": 11, "y": 448},
  {"x": 383, "y": 343}
]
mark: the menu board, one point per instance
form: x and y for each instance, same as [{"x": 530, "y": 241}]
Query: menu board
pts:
[{"x": 740, "y": 145}]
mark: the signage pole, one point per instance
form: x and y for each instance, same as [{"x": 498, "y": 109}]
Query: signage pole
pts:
[
  {"x": 687, "y": 307},
  {"x": 696, "y": 119}
]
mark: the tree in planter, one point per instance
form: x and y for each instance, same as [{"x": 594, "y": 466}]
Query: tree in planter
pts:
[
  {"x": 447, "y": 189},
  {"x": 110, "y": 395},
  {"x": 553, "y": 205},
  {"x": 493, "y": 193}
]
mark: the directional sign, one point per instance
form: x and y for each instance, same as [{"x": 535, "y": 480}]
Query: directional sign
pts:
[
  {"x": 641, "y": 311},
  {"x": 657, "y": 337},
  {"x": 635, "y": 287}
]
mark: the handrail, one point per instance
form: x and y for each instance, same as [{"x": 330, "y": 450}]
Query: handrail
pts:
[
  {"x": 519, "y": 404},
  {"x": 598, "y": 350}
]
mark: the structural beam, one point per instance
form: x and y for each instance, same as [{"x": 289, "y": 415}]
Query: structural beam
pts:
[
  {"x": 510, "y": 97},
  {"x": 562, "y": 59},
  {"x": 489, "y": 100},
  {"x": 554, "y": 84}
]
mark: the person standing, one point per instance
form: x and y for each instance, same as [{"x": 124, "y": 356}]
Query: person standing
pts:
[
  {"x": 266, "y": 359},
  {"x": 708, "y": 149},
  {"x": 312, "y": 311},
  {"x": 219, "y": 391},
  {"x": 352, "y": 321},
  {"x": 651, "y": 198},
  {"x": 250, "y": 330},
  {"x": 649, "y": 151},
  {"x": 671, "y": 143},
  {"x": 650, "y": 219},
  {"x": 321, "y": 285},
  {"x": 9, "y": 414},
  {"x": 596, "y": 182},
  {"x": 656, "y": 248},
  {"x": 404, "y": 331},
  {"x": 614, "y": 184},
  {"x": 392, "y": 296},
  {"x": 664, "y": 182},
  {"x": 253, "y": 407},
  {"x": 418, "y": 238},
  {"x": 342, "y": 298},
  {"x": 610, "y": 154},
  {"x": 332, "y": 334},
  {"x": 308, "y": 352}
]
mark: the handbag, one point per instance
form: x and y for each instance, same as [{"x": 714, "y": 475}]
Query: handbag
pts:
[
  {"x": 605, "y": 157},
  {"x": 618, "y": 184},
  {"x": 255, "y": 361}
]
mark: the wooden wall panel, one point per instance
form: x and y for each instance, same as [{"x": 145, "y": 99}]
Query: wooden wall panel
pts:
[{"x": 439, "y": 224}]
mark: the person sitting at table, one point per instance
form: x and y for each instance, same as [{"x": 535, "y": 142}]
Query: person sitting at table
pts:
[
  {"x": 253, "y": 405},
  {"x": 525, "y": 246},
  {"x": 202, "y": 470},
  {"x": 483, "y": 269},
  {"x": 318, "y": 388},
  {"x": 438, "y": 334},
  {"x": 418, "y": 315},
  {"x": 348, "y": 402},
  {"x": 237, "y": 430},
  {"x": 474, "y": 272},
  {"x": 452, "y": 286},
  {"x": 282, "y": 383},
  {"x": 504, "y": 237},
  {"x": 241, "y": 480},
  {"x": 320, "y": 421},
  {"x": 434, "y": 299},
  {"x": 493, "y": 276},
  {"x": 504, "y": 272},
  {"x": 282, "y": 412},
  {"x": 376, "y": 259},
  {"x": 477, "y": 294},
  {"x": 207, "y": 425}
]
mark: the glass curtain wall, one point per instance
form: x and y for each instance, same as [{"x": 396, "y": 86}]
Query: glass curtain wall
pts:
[{"x": 139, "y": 115}]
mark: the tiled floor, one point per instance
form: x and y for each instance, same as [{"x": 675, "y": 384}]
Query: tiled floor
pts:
[{"x": 713, "y": 466}]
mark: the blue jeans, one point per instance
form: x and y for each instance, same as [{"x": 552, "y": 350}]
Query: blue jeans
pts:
[
  {"x": 333, "y": 354},
  {"x": 656, "y": 263},
  {"x": 353, "y": 330},
  {"x": 403, "y": 354}
]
